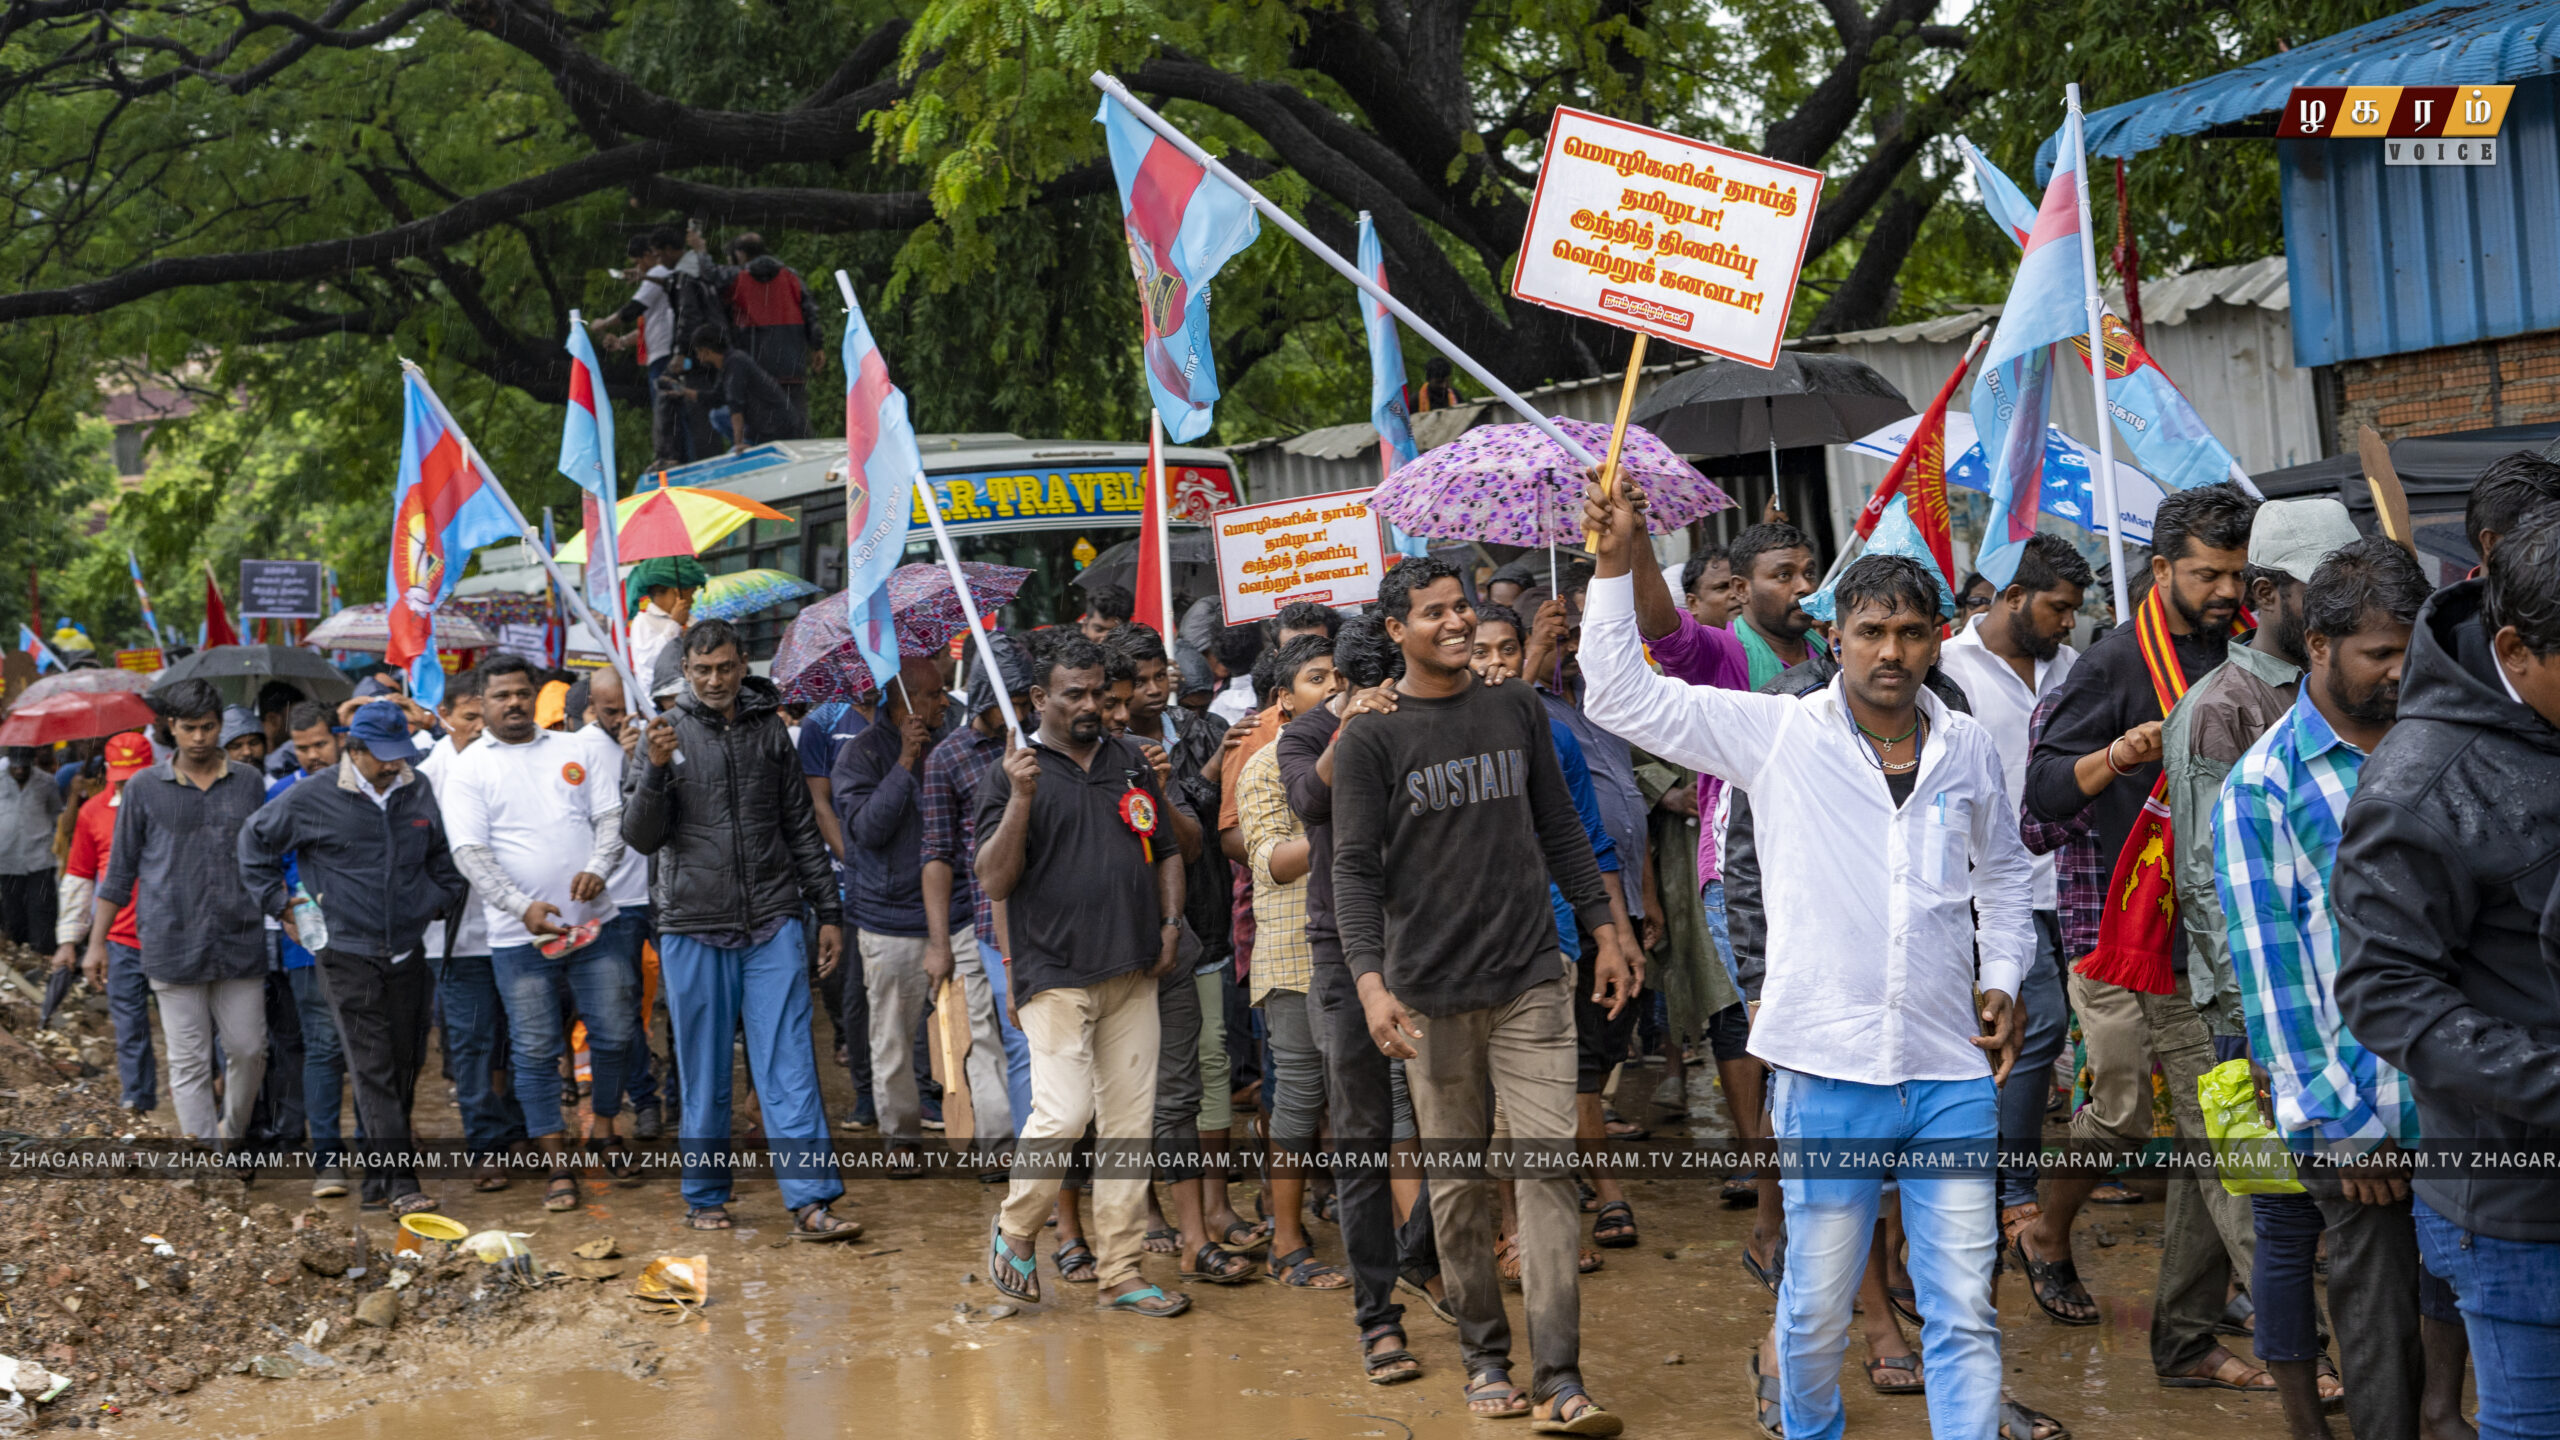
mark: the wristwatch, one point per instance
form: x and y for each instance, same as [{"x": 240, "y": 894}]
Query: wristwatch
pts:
[{"x": 1169, "y": 922}]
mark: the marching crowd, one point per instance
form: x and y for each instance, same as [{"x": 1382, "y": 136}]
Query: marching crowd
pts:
[{"x": 1405, "y": 889}]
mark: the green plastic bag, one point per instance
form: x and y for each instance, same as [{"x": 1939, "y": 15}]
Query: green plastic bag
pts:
[{"x": 2252, "y": 1156}]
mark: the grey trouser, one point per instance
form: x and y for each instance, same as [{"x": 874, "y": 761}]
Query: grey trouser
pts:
[
  {"x": 1178, "y": 1088},
  {"x": 1523, "y": 1050},
  {"x": 1297, "y": 1080},
  {"x": 893, "y": 981},
  {"x": 2373, "y": 1305},
  {"x": 191, "y": 1016}
]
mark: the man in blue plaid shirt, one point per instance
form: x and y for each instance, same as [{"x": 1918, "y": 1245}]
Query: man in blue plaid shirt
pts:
[
  {"x": 2341, "y": 1108},
  {"x": 951, "y": 776}
]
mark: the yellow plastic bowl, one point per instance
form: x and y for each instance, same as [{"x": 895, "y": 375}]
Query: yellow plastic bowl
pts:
[{"x": 430, "y": 1226}]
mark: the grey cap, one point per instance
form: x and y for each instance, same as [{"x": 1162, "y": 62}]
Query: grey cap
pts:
[
  {"x": 2294, "y": 536},
  {"x": 1011, "y": 660},
  {"x": 237, "y": 722}
]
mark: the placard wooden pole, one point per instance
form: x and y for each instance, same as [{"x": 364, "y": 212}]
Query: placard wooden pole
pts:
[
  {"x": 2390, "y": 501},
  {"x": 1618, "y": 433}
]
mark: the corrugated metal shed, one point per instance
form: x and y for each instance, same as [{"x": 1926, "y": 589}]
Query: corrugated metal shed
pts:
[
  {"x": 2451, "y": 42},
  {"x": 2393, "y": 258}
]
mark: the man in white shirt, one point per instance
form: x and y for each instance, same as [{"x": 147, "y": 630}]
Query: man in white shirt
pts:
[
  {"x": 628, "y": 888},
  {"x": 2009, "y": 658},
  {"x": 1884, "y": 828},
  {"x": 536, "y": 835},
  {"x": 475, "y": 1019}
]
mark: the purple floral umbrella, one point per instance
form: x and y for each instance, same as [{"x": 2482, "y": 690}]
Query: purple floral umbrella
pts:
[
  {"x": 1511, "y": 485},
  {"x": 818, "y": 661}
]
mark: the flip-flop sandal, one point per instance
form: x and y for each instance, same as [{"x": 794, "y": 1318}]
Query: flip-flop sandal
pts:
[
  {"x": 1494, "y": 1383},
  {"x": 707, "y": 1217},
  {"x": 561, "y": 1194},
  {"x": 813, "y": 1223},
  {"x": 1438, "y": 1305},
  {"x": 1076, "y": 1264},
  {"x": 1585, "y": 1196},
  {"x": 2051, "y": 1281},
  {"x": 1016, "y": 1277},
  {"x": 2115, "y": 1192},
  {"x": 1588, "y": 1418},
  {"x": 1329, "y": 1208},
  {"x": 1241, "y": 1238},
  {"x": 1161, "y": 1242},
  {"x": 1905, "y": 1366},
  {"x": 1217, "y": 1267},
  {"x": 1740, "y": 1193},
  {"x": 1147, "y": 1300},
  {"x": 2017, "y": 1422},
  {"x": 2327, "y": 1369},
  {"x": 2240, "y": 1318},
  {"x": 621, "y": 1164},
  {"x": 1768, "y": 1275},
  {"x": 1589, "y": 1262},
  {"x": 1768, "y": 1400},
  {"x": 903, "y": 1165},
  {"x": 414, "y": 1203},
  {"x": 1506, "y": 1261},
  {"x": 2212, "y": 1365},
  {"x": 1627, "y": 1130},
  {"x": 1388, "y": 1367},
  {"x": 1905, "y": 1301},
  {"x": 489, "y": 1181},
  {"x": 1301, "y": 1270},
  {"x": 1615, "y": 1229}
]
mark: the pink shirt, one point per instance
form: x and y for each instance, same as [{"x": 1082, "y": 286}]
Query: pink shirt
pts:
[{"x": 1704, "y": 656}]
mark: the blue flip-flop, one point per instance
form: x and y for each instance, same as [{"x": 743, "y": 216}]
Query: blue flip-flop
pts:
[
  {"x": 1135, "y": 1303},
  {"x": 1017, "y": 1276}
]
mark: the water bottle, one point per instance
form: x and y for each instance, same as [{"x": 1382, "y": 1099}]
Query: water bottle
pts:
[{"x": 307, "y": 920}]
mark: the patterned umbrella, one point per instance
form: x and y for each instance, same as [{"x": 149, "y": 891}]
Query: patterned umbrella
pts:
[
  {"x": 367, "y": 628},
  {"x": 85, "y": 682},
  {"x": 673, "y": 520},
  {"x": 818, "y": 661},
  {"x": 741, "y": 593},
  {"x": 1511, "y": 485}
]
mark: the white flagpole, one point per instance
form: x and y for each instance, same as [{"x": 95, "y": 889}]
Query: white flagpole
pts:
[
  {"x": 1163, "y": 537},
  {"x": 2098, "y": 363},
  {"x": 635, "y": 693},
  {"x": 1112, "y": 87},
  {"x": 951, "y": 563}
]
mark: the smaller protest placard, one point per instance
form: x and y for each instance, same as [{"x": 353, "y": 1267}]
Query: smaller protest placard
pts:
[
  {"x": 1681, "y": 240},
  {"x": 282, "y": 590},
  {"x": 143, "y": 662},
  {"x": 1324, "y": 548}
]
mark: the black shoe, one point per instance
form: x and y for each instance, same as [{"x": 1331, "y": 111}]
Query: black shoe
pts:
[{"x": 647, "y": 1122}]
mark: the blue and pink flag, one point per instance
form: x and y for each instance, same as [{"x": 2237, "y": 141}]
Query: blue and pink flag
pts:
[
  {"x": 445, "y": 505},
  {"x": 32, "y": 645},
  {"x": 586, "y": 457},
  {"x": 1386, "y": 381},
  {"x": 150, "y": 621},
  {"x": 2162, "y": 431},
  {"x": 2013, "y": 393},
  {"x": 882, "y": 469},
  {"x": 1182, "y": 227}
]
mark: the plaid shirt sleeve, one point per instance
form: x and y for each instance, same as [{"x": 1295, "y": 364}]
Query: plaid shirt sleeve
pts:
[
  {"x": 2079, "y": 870},
  {"x": 2261, "y": 875},
  {"x": 941, "y": 808}
]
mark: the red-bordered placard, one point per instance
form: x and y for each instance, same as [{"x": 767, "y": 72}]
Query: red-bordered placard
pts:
[{"x": 1325, "y": 548}]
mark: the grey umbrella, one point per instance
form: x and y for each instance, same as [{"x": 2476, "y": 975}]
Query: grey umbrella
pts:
[
  {"x": 238, "y": 670},
  {"x": 1728, "y": 408}
]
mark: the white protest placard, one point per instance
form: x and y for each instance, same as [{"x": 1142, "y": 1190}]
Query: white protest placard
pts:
[
  {"x": 1685, "y": 241},
  {"x": 1324, "y": 548}
]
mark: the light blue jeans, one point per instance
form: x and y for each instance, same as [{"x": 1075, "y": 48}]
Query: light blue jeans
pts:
[
  {"x": 2509, "y": 1291},
  {"x": 1017, "y": 1050},
  {"x": 1949, "y": 1133},
  {"x": 710, "y": 992}
]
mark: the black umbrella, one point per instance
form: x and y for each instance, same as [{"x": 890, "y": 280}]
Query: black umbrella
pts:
[
  {"x": 1194, "y": 556},
  {"x": 239, "y": 670},
  {"x": 1728, "y": 408},
  {"x": 56, "y": 986}
]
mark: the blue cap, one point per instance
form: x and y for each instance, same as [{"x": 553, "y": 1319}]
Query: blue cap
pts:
[{"x": 383, "y": 728}]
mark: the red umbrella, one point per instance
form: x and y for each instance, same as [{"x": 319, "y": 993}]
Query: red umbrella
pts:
[{"x": 82, "y": 715}]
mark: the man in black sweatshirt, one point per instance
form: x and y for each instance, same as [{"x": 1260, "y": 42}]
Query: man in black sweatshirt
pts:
[{"x": 1449, "y": 811}]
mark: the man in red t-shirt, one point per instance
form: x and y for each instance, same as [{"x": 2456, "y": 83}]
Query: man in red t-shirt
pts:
[{"x": 128, "y": 992}]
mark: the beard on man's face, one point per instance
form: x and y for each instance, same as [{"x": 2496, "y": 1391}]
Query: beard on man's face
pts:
[
  {"x": 2379, "y": 705},
  {"x": 2024, "y": 634},
  {"x": 2286, "y": 625}
]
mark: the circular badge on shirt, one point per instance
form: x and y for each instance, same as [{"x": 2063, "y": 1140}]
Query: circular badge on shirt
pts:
[
  {"x": 1138, "y": 811},
  {"x": 574, "y": 773}
]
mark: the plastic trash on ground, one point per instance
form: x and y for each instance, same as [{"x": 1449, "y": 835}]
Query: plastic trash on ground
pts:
[
  {"x": 674, "y": 1285},
  {"x": 2250, "y": 1154}
]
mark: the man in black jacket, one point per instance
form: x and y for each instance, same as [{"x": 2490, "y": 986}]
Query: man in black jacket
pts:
[
  {"x": 362, "y": 842},
  {"x": 2446, "y": 869},
  {"x": 719, "y": 801}
]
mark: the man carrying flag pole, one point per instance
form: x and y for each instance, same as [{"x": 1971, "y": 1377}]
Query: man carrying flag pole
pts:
[{"x": 586, "y": 457}]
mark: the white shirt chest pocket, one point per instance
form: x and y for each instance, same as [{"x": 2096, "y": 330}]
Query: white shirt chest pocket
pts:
[{"x": 1944, "y": 838}]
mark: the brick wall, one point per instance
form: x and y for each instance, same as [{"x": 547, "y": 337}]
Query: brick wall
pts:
[{"x": 2510, "y": 381}]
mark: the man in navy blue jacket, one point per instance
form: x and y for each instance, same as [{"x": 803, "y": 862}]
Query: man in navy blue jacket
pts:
[
  {"x": 363, "y": 842},
  {"x": 878, "y": 788}
]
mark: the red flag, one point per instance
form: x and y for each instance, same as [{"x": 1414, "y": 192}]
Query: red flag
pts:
[
  {"x": 1921, "y": 469},
  {"x": 1153, "y": 582},
  {"x": 217, "y": 618}
]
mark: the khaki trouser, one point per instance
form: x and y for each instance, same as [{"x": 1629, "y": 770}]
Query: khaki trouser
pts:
[
  {"x": 1524, "y": 1050},
  {"x": 1093, "y": 1062},
  {"x": 893, "y": 980},
  {"x": 2124, "y": 1029}
]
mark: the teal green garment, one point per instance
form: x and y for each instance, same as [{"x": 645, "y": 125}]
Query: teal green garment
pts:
[{"x": 1765, "y": 664}]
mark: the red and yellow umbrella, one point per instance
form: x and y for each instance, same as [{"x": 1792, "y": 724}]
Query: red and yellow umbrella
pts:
[{"x": 674, "y": 520}]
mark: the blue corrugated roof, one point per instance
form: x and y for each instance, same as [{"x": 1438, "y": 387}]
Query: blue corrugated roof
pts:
[{"x": 2449, "y": 42}]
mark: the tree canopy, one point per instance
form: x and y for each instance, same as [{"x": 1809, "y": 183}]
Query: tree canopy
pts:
[{"x": 269, "y": 204}]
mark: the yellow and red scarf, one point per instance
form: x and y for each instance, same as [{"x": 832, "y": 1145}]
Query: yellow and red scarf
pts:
[{"x": 2138, "y": 923}]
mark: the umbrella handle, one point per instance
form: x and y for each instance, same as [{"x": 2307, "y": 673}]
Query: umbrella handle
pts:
[{"x": 1618, "y": 432}]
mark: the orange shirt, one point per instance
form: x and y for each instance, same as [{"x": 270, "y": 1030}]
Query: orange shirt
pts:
[{"x": 1266, "y": 728}]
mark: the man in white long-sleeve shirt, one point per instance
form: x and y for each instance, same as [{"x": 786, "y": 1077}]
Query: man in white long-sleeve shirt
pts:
[{"x": 1884, "y": 829}]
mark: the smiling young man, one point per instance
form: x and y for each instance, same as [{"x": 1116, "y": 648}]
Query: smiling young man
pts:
[
  {"x": 1870, "y": 1016},
  {"x": 1452, "y": 804},
  {"x": 2098, "y": 757}
]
